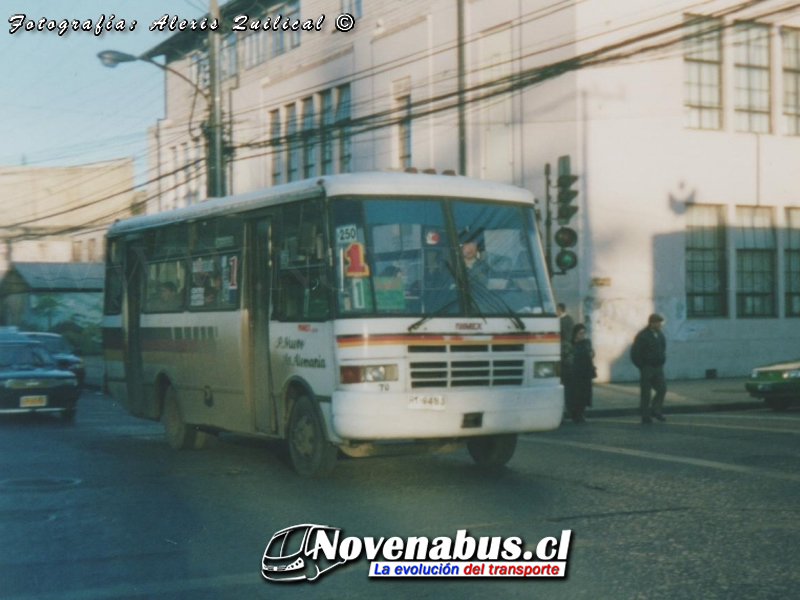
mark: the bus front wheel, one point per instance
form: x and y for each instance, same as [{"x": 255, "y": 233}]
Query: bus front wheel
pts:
[
  {"x": 492, "y": 450},
  {"x": 311, "y": 454},
  {"x": 179, "y": 435}
]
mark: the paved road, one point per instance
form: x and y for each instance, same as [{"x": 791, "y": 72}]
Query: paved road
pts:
[{"x": 702, "y": 506}]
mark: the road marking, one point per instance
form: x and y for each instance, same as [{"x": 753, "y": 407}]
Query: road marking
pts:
[
  {"x": 695, "y": 462},
  {"x": 712, "y": 425},
  {"x": 762, "y": 415}
]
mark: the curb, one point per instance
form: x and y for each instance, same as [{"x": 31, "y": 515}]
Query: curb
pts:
[{"x": 676, "y": 409}]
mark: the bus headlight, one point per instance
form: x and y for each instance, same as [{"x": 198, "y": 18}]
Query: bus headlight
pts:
[
  {"x": 367, "y": 373},
  {"x": 544, "y": 369}
]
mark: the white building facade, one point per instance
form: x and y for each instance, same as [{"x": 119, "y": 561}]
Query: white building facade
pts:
[{"x": 681, "y": 119}]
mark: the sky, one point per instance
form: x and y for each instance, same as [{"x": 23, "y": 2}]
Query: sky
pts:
[{"x": 59, "y": 105}]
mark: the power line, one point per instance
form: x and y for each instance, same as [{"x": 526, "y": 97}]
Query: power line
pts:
[{"x": 481, "y": 92}]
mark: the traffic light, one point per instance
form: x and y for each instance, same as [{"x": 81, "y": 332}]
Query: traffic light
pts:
[
  {"x": 565, "y": 197},
  {"x": 565, "y": 238}
]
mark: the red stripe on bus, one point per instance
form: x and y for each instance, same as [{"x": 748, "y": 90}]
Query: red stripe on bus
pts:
[{"x": 422, "y": 339}]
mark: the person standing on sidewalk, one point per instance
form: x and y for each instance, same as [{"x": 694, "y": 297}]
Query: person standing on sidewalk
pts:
[
  {"x": 649, "y": 353},
  {"x": 567, "y": 324},
  {"x": 578, "y": 372}
]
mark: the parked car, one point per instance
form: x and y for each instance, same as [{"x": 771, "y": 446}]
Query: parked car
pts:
[
  {"x": 66, "y": 357},
  {"x": 31, "y": 381},
  {"x": 778, "y": 384}
]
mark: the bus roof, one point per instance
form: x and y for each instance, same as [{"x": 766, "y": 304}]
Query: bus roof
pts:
[{"x": 350, "y": 184}]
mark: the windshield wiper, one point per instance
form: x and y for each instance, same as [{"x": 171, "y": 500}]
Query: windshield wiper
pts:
[
  {"x": 439, "y": 311},
  {"x": 494, "y": 299}
]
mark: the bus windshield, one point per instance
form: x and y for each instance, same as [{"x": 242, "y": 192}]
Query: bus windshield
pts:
[{"x": 424, "y": 257}]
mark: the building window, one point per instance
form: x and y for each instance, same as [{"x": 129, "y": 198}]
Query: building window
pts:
[
  {"x": 309, "y": 139},
  {"x": 186, "y": 175},
  {"x": 342, "y": 122},
  {"x": 352, "y": 7},
  {"x": 792, "y": 259},
  {"x": 404, "y": 131},
  {"x": 276, "y": 143},
  {"x": 791, "y": 80},
  {"x": 278, "y": 44},
  {"x": 228, "y": 64},
  {"x": 199, "y": 68},
  {"x": 251, "y": 50},
  {"x": 326, "y": 104},
  {"x": 755, "y": 262},
  {"x": 703, "y": 73},
  {"x": 706, "y": 262},
  {"x": 177, "y": 170},
  {"x": 293, "y": 14},
  {"x": 293, "y": 166},
  {"x": 195, "y": 171},
  {"x": 77, "y": 251},
  {"x": 751, "y": 78}
]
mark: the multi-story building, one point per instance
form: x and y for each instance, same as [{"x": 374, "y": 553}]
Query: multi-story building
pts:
[
  {"x": 60, "y": 214},
  {"x": 681, "y": 120}
]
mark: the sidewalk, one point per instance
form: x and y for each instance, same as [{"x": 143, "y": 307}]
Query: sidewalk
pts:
[
  {"x": 610, "y": 399},
  {"x": 683, "y": 396},
  {"x": 94, "y": 371}
]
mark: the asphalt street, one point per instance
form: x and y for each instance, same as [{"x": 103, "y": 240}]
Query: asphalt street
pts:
[{"x": 701, "y": 506}]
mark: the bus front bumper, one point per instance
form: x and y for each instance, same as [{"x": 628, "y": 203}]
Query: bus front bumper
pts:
[{"x": 446, "y": 413}]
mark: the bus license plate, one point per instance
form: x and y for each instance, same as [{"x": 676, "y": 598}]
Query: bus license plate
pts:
[
  {"x": 30, "y": 401},
  {"x": 426, "y": 402}
]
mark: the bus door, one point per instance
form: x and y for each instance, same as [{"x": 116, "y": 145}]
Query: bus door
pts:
[
  {"x": 260, "y": 368},
  {"x": 131, "y": 329}
]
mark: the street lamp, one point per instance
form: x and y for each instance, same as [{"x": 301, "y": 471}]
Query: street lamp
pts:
[{"x": 215, "y": 179}]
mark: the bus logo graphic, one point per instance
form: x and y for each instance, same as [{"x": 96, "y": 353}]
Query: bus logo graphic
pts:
[{"x": 292, "y": 554}]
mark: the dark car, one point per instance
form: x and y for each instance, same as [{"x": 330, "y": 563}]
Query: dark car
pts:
[
  {"x": 778, "y": 384},
  {"x": 31, "y": 381},
  {"x": 66, "y": 357}
]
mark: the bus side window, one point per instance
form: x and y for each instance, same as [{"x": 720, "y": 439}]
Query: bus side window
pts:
[
  {"x": 164, "y": 286},
  {"x": 112, "y": 299},
  {"x": 303, "y": 286}
]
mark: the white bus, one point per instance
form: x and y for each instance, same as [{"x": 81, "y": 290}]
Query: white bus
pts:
[{"x": 339, "y": 314}]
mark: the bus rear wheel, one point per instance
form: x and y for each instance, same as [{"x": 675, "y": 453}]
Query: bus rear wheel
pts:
[
  {"x": 178, "y": 434},
  {"x": 492, "y": 450},
  {"x": 310, "y": 452}
]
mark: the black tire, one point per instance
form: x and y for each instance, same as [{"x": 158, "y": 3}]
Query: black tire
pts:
[
  {"x": 68, "y": 415},
  {"x": 492, "y": 450},
  {"x": 178, "y": 434},
  {"x": 310, "y": 452},
  {"x": 777, "y": 404}
]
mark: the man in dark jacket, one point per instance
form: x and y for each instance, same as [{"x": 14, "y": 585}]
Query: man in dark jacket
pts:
[
  {"x": 649, "y": 353},
  {"x": 567, "y": 324}
]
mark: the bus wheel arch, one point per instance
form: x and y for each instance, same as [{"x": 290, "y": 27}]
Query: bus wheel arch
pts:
[
  {"x": 310, "y": 451},
  {"x": 178, "y": 434}
]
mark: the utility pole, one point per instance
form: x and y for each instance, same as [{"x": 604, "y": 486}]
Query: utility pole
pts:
[
  {"x": 548, "y": 221},
  {"x": 215, "y": 165},
  {"x": 462, "y": 123}
]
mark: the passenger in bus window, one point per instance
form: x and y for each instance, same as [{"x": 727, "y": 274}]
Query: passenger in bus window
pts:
[
  {"x": 168, "y": 298},
  {"x": 211, "y": 291}
]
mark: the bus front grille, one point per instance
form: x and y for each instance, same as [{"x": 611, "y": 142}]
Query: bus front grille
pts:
[{"x": 467, "y": 373}]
